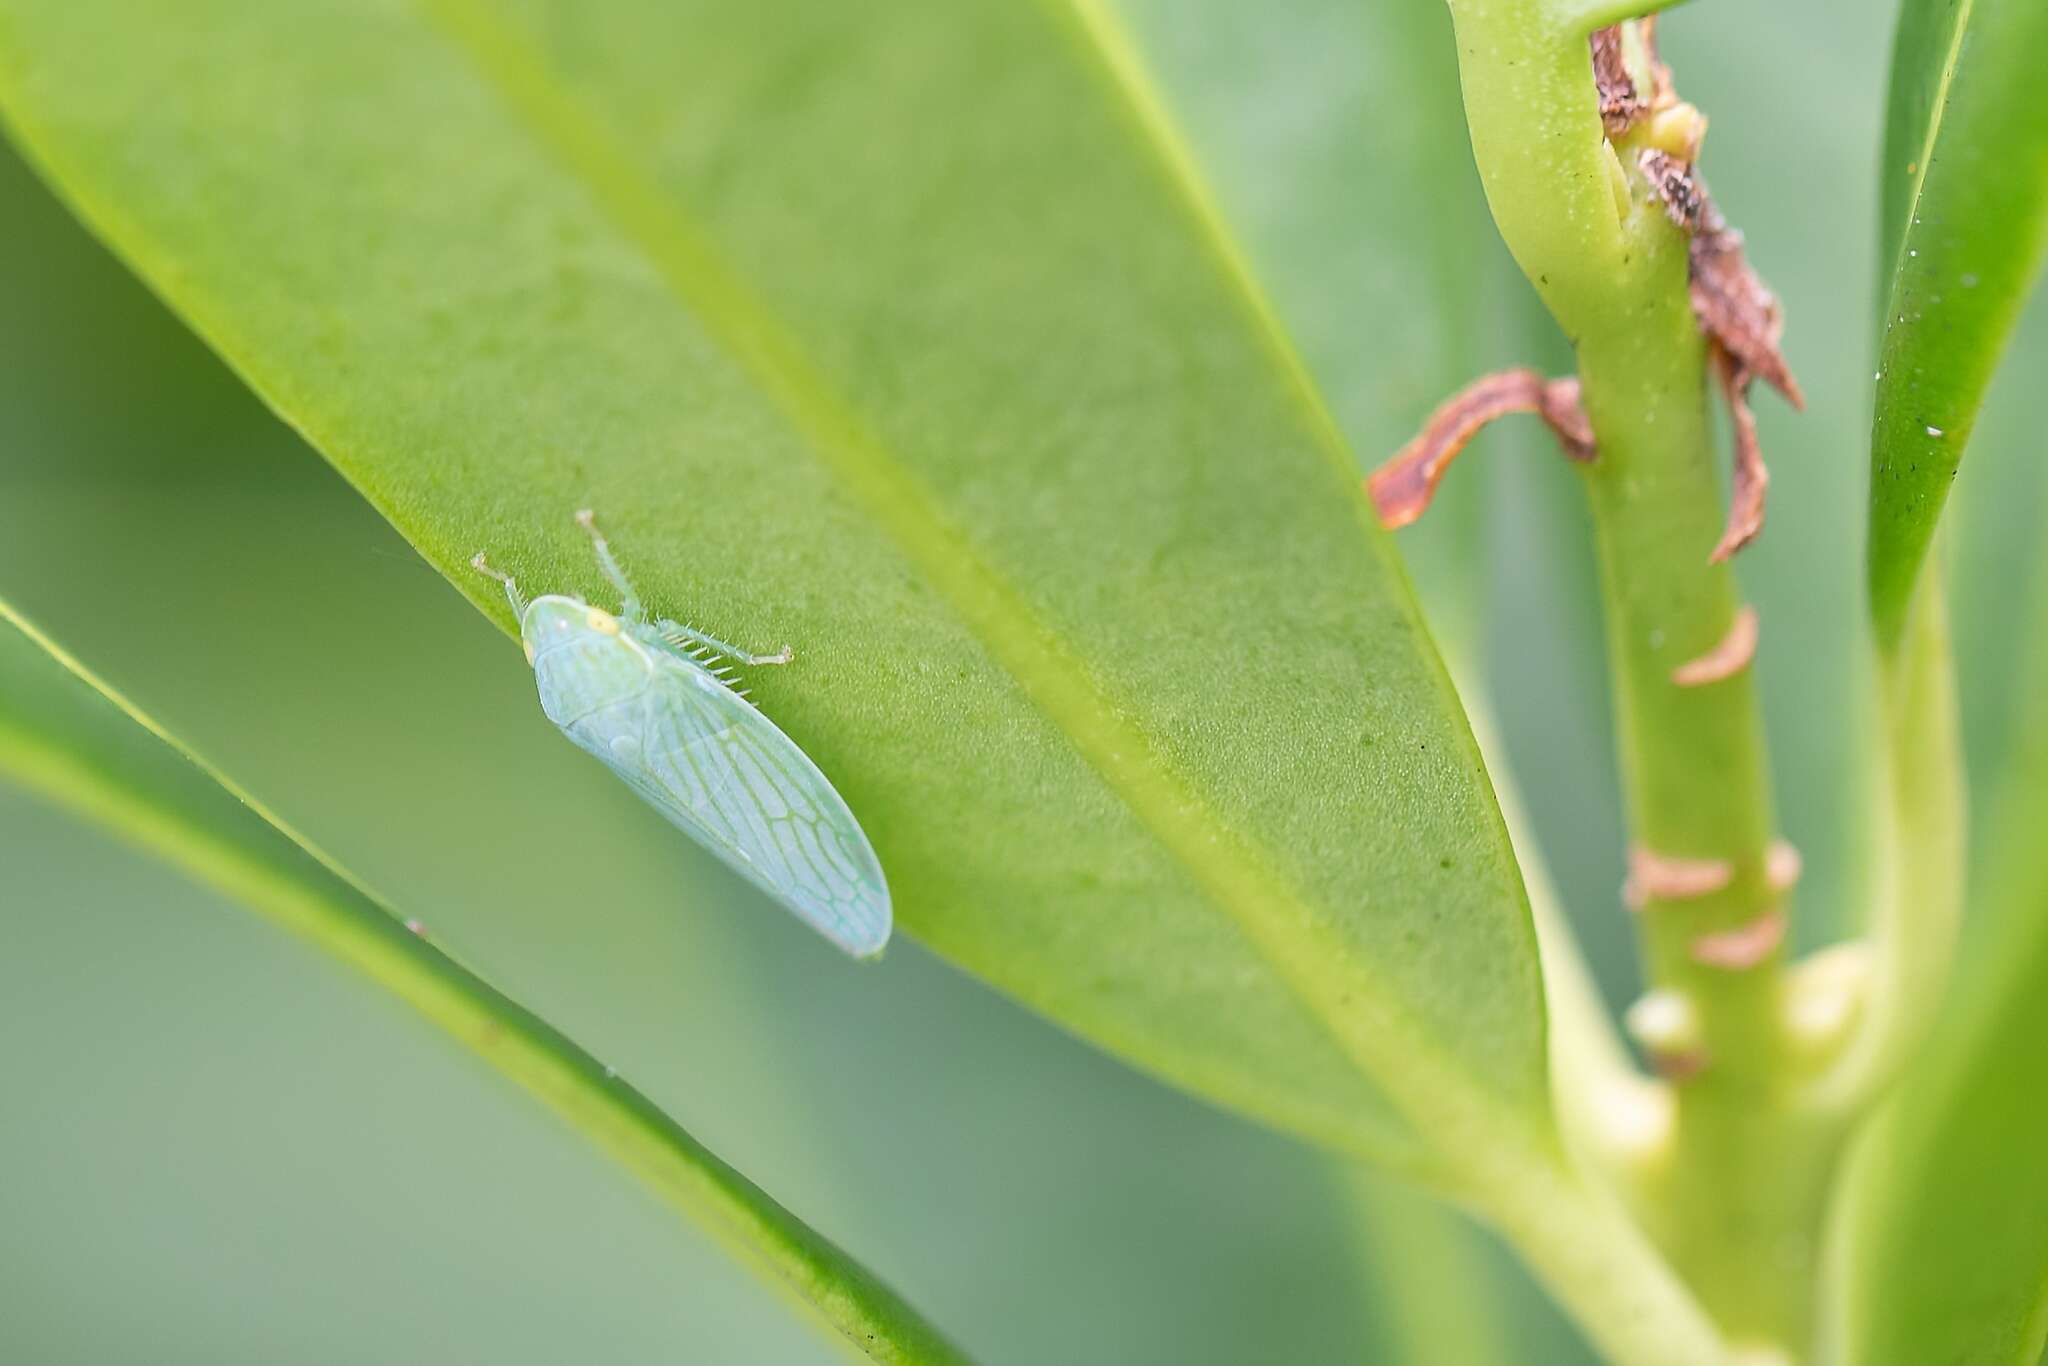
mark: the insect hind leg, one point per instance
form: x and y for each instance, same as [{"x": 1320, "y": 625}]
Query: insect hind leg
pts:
[
  {"x": 630, "y": 607},
  {"x": 685, "y": 637}
]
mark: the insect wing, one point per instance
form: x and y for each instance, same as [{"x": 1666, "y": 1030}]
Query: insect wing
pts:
[{"x": 724, "y": 773}]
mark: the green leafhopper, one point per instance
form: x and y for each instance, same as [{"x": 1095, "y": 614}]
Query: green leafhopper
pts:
[{"x": 654, "y": 701}]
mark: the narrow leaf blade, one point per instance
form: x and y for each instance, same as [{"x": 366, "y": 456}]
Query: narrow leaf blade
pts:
[
  {"x": 1939, "y": 1252},
  {"x": 1943, "y": 1245},
  {"x": 63, "y": 734},
  {"x": 1965, "y": 224}
]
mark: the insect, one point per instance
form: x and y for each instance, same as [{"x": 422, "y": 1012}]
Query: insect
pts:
[{"x": 655, "y": 702}]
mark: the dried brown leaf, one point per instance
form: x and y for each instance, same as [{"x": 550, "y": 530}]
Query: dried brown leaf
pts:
[
  {"x": 1678, "y": 189},
  {"x": 1679, "y": 1067},
  {"x": 1743, "y": 323},
  {"x": 1751, "y": 479},
  {"x": 1402, "y": 488},
  {"x": 1743, "y": 947},
  {"x": 1728, "y": 658},
  {"x": 1623, "y": 103},
  {"x": 1663, "y": 93},
  {"x": 1621, "y": 107},
  {"x": 1735, "y": 307},
  {"x": 1558, "y": 405},
  {"x": 1661, "y": 877}
]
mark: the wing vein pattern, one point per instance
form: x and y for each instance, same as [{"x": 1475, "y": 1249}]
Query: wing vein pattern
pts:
[{"x": 725, "y": 774}]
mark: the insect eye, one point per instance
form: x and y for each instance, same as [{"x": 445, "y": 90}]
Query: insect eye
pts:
[{"x": 601, "y": 621}]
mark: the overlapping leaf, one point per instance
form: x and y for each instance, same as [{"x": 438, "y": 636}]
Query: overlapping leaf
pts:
[
  {"x": 1942, "y": 1255},
  {"x": 64, "y": 735}
]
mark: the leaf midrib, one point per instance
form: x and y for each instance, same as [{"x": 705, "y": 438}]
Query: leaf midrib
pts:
[
  {"x": 1108, "y": 46},
  {"x": 1384, "y": 1039}
]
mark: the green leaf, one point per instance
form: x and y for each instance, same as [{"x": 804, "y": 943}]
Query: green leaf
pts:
[
  {"x": 1335, "y": 138},
  {"x": 64, "y": 734},
  {"x": 903, "y": 335},
  {"x": 1944, "y": 1239},
  {"x": 145, "y": 471},
  {"x": 1939, "y": 1252},
  {"x": 1965, "y": 227}
]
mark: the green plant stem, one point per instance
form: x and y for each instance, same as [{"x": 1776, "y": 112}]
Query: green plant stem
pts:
[
  {"x": 70, "y": 738},
  {"x": 1734, "y": 1197},
  {"x": 1583, "y": 1246},
  {"x": 1697, "y": 787}
]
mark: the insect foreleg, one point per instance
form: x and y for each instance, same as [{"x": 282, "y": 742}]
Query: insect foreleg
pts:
[
  {"x": 672, "y": 633},
  {"x": 630, "y": 609},
  {"x": 681, "y": 636},
  {"x": 512, "y": 593}
]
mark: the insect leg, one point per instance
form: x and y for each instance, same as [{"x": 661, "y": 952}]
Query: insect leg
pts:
[
  {"x": 681, "y": 636},
  {"x": 512, "y": 593},
  {"x": 631, "y": 608}
]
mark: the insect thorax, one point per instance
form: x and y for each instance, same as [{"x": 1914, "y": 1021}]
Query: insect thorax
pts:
[{"x": 582, "y": 661}]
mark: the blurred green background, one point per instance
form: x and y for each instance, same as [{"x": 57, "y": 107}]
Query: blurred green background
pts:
[{"x": 218, "y": 1146}]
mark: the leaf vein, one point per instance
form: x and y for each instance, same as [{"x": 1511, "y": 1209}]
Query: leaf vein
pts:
[{"x": 1376, "y": 1031}]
